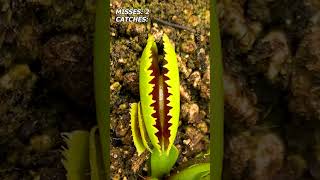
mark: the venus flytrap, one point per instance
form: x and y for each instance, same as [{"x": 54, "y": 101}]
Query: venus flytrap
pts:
[
  {"x": 160, "y": 94},
  {"x": 155, "y": 119}
]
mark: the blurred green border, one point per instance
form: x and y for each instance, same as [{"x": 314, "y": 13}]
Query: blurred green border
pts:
[
  {"x": 216, "y": 96},
  {"x": 101, "y": 77}
]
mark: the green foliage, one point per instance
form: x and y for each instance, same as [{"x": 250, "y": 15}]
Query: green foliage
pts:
[
  {"x": 146, "y": 89},
  {"x": 195, "y": 172},
  {"x": 95, "y": 156},
  {"x": 174, "y": 88},
  {"x": 162, "y": 160},
  {"x": 142, "y": 122},
  {"x": 82, "y": 155},
  {"x": 135, "y": 129},
  {"x": 76, "y": 155},
  {"x": 145, "y": 77},
  {"x": 161, "y": 163}
]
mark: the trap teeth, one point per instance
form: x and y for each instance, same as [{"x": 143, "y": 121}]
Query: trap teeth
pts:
[{"x": 160, "y": 92}]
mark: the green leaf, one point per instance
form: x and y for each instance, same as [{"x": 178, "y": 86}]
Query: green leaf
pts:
[
  {"x": 76, "y": 155},
  {"x": 146, "y": 88},
  {"x": 195, "y": 172},
  {"x": 95, "y": 156},
  {"x": 161, "y": 163},
  {"x": 134, "y": 122},
  {"x": 203, "y": 175},
  {"x": 173, "y": 88},
  {"x": 143, "y": 132}
]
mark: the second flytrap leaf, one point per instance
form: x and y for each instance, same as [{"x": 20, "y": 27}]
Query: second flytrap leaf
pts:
[
  {"x": 76, "y": 155},
  {"x": 135, "y": 129},
  {"x": 162, "y": 163},
  {"x": 83, "y": 156},
  {"x": 95, "y": 156}
]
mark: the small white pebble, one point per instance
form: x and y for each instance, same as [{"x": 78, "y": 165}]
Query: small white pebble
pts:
[
  {"x": 186, "y": 141},
  {"x": 185, "y": 159}
]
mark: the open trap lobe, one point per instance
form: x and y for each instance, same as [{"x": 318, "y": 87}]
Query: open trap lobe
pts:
[{"x": 160, "y": 96}]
